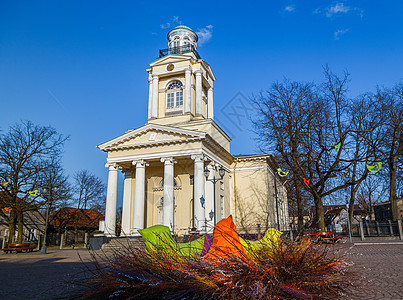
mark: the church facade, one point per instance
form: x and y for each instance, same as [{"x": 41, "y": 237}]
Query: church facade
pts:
[{"x": 178, "y": 169}]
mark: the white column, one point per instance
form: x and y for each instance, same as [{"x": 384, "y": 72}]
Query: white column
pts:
[
  {"x": 111, "y": 197},
  {"x": 139, "y": 196},
  {"x": 127, "y": 202},
  {"x": 154, "y": 106},
  {"x": 198, "y": 185},
  {"x": 150, "y": 97},
  {"x": 188, "y": 87},
  {"x": 210, "y": 105},
  {"x": 168, "y": 201},
  {"x": 210, "y": 196},
  {"x": 199, "y": 107}
]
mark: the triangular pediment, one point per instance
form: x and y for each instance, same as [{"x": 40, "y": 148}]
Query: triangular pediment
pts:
[
  {"x": 172, "y": 58},
  {"x": 152, "y": 135}
]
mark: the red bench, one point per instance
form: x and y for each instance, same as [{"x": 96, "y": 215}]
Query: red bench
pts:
[
  {"x": 325, "y": 237},
  {"x": 18, "y": 248}
]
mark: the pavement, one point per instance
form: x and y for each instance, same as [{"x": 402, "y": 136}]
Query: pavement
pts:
[
  {"x": 60, "y": 274},
  {"x": 56, "y": 275}
]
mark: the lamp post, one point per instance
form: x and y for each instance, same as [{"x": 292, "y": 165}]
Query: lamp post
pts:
[
  {"x": 214, "y": 180},
  {"x": 48, "y": 198}
]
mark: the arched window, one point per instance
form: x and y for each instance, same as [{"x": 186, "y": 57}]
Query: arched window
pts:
[{"x": 175, "y": 95}]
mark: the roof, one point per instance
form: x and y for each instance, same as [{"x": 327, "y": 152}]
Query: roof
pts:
[
  {"x": 66, "y": 217},
  {"x": 183, "y": 27}
]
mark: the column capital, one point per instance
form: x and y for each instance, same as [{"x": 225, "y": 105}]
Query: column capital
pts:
[
  {"x": 199, "y": 71},
  {"x": 155, "y": 76},
  {"x": 198, "y": 157},
  {"x": 141, "y": 163},
  {"x": 112, "y": 166},
  {"x": 168, "y": 160},
  {"x": 188, "y": 70}
]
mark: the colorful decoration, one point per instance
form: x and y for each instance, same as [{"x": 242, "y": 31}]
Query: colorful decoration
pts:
[
  {"x": 307, "y": 181},
  {"x": 371, "y": 168},
  {"x": 337, "y": 146},
  {"x": 226, "y": 241},
  {"x": 8, "y": 208},
  {"x": 296, "y": 269},
  {"x": 282, "y": 173},
  {"x": 269, "y": 240},
  {"x": 3, "y": 183},
  {"x": 347, "y": 174},
  {"x": 159, "y": 236},
  {"x": 33, "y": 193}
]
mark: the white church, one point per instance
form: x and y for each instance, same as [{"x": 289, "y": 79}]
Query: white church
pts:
[{"x": 178, "y": 169}]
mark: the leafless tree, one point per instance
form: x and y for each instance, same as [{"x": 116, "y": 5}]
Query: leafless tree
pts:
[
  {"x": 89, "y": 192},
  {"x": 390, "y": 101},
  {"x": 25, "y": 152},
  {"x": 310, "y": 128}
]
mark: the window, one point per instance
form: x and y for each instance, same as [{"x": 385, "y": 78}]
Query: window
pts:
[{"x": 175, "y": 95}]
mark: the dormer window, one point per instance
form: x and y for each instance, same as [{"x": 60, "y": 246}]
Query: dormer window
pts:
[{"x": 175, "y": 97}]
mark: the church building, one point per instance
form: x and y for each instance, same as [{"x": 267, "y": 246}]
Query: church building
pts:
[{"x": 178, "y": 169}]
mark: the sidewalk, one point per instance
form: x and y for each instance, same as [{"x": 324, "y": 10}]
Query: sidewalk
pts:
[{"x": 44, "y": 276}]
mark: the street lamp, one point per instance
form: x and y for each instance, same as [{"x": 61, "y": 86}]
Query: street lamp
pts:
[
  {"x": 221, "y": 172},
  {"x": 49, "y": 199}
]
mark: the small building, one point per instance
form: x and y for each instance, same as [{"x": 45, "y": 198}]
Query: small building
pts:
[
  {"x": 65, "y": 219},
  {"x": 383, "y": 210},
  {"x": 34, "y": 222}
]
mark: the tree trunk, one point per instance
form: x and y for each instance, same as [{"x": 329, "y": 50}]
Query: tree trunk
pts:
[
  {"x": 351, "y": 205},
  {"x": 11, "y": 230},
  {"x": 75, "y": 234},
  {"x": 20, "y": 218},
  {"x": 392, "y": 187},
  {"x": 300, "y": 207},
  {"x": 320, "y": 214}
]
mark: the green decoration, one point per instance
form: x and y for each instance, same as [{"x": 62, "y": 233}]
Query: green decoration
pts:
[
  {"x": 159, "y": 236},
  {"x": 371, "y": 168},
  {"x": 270, "y": 239},
  {"x": 282, "y": 173}
]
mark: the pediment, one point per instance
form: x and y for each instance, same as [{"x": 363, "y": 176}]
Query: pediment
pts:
[
  {"x": 152, "y": 135},
  {"x": 172, "y": 58}
]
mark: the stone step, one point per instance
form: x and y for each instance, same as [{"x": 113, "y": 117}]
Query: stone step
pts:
[{"x": 124, "y": 243}]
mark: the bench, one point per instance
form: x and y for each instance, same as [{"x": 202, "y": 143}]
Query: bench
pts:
[
  {"x": 325, "y": 237},
  {"x": 18, "y": 248}
]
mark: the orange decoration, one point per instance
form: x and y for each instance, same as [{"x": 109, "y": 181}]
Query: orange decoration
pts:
[
  {"x": 225, "y": 241},
  {"x": 8, "y": 208},
  {"x": 307, "y": 181}
]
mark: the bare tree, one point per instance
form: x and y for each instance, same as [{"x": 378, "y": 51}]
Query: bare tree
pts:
[
  {"x": 390, "y": 101},
  {"x": 25, "y": 152},
  {"x": 309, "y": 127},
  {"x": 89, "y": 192},
  {"x": 284, "y": 112}
]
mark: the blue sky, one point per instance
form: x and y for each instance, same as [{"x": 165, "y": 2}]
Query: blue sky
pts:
[{"x": 80, "y": 66}]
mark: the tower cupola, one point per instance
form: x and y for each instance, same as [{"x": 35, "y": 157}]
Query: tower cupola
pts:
[{"x": 181, "y": 36}]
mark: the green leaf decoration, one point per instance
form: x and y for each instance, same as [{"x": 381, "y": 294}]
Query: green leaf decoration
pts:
[
  {"x": 282, "y": 173},
  {"x": 371, "y": 168}
]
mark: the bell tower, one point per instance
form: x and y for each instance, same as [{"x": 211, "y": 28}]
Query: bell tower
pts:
[{"x": 180, "y": 82}]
